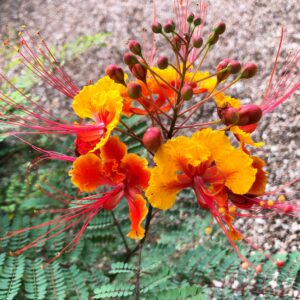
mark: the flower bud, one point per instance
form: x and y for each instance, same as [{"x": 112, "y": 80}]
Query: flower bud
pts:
[
  {"x": 162, "y": 62},
  {"x": 152, "y": 139},
  {"x": 169, "y": 26},
  {"x": 139, "y": 71},
  {"x": 249, "y": 114},
  {"x": 134, "y": 90},
  {"x": 234, "y": 66},
  {"x": 176, "y": 42},
  {"x": 222, "y": 72},
  {"x": 220, "y": 28},
  {"x": 249, "y": 70},
  {"x": 212, "y": 39},
  {"x": 197, "y": 21},
  {"x": 156, "y": 27},
  {"x": 129, "y": 59},
  {"x": 115, "y": 73},
  {"x": 190, "y": 18},
  {"x": 197, "y": 41},
  {"x": 230, "y": 115},
  {"x": 258, "y": 269},
  {"x": 280, "y": 264},
  {"x": 187, "y": 92},
  {"x": 135, "y": 47}
]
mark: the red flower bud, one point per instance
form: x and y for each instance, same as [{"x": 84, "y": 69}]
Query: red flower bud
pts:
[
  {"x": 162, "y": 62},
  {"x": 129, "y": 59},
  {"x": 197, "y": 41},
  {"x": 176, "y": 42},
  {"x": 249, "y": 114},
  {"x": 234, "y": 66},
  {"x": 258, "y": 269},
  {"x": 230, "y": 115},
  {"x": 152, "y": 139},
  {"x": 280, "y": 264},
  {"x": 197, "y": 21},
  {"x": 134, "y": 90},
  {"x": 139, "y": 71},
  {"x": 169, "y": 26},
  {"x": 220, "y": 28},
  {"x": 156, "y": 27},
  {"x": 249, "y": 70},
  {"x": 190, "y": 18},
  {"x": 115, "y": 73},
  {"x": 187, "y": 92},
  {"x": 135, "y": 47},
  {"x": 222, "y": 69}
]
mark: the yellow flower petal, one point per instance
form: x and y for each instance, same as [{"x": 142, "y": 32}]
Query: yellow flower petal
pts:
[
  {"x": 216, "y": 141},
  {"x": 237, "y": 168},
  {"x": 177, "y": 154},
  {"x": 222, "y": 101},
  {"x": 245, "y": 137},
  {"x": 163, "y": 188}
]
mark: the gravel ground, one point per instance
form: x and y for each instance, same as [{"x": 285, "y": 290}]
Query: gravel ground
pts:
[{"x": 252, "y": 35}]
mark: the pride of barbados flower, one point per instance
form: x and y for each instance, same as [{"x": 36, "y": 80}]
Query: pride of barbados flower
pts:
[
  {"x": 224, "y": 179},
  {"x": 125, "y": 175}
]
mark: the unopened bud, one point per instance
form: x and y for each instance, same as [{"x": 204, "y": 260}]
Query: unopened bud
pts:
[
  {"x": 190, "y": 18},
  {"x": 162, "y": 62},
  {"x": 187, "y": 92},
  {"x": 129, "y": 59},
  {"x": 197, "y": 21},
  {"x": 156, "y": 27},
  {"x": 135, "y": 47},
  {"x": 212, "y": 39},
  {"x": 176, "y": 42},
  {"x": 230, "y": 115},
  {"x": 134, "y": 90},
  {"x": 115, "y": 73},
  {"x": 169, "y": 26},
  {"x": 139, "y": 71},
  {"x": 245, "y": 265},
  {"x": 197, "y": 41},
  {"x": 249, "y": 114},
  {"x": 152, "y": 139},
  {"x": 234, "y": 66},
  {"x": 222, "y": 72},
  {"x": 249, "y": 70},
  {"x": 220, "y": 28},
  {"x": 258, "y": 269},
  {"x": 280, "y": 264}
]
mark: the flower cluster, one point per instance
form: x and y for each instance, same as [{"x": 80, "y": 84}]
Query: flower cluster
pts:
[{"x": 214, "y": 158}]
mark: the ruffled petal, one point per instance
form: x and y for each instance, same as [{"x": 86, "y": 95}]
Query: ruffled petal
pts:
[
  {"x": 237, "y": 169},
  {"x": 223, "y": 101},
  {"x": 87, "y": 172},
  {"x": 244, "y": 137},
  {"x": 163, "y": 188},
  {"x": 259, "y": 185},
  {"x": 113, "y": 149},
  {"x": 137, "y": 212},
  {"x": 137, "y": 171}
]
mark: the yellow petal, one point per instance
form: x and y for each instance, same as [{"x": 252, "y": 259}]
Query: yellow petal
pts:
[
  {"x": 245, "y": 137},
  {"x": 177, "y": 154},
  {"x": 163, "y": 188},
  {"x": 223, "y": 101},
  {"x": 237, "y": 169},
  {"x": 216, "y": 141}
]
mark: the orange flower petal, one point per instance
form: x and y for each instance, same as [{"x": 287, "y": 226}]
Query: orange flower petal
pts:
[
  {"x": 113, "y": 149},
  {"x": 244, "y": 137},
  {"x": 86, "y": 172},
  {"x": 259, "y": 185},
  {"x": 137, "y": 212},
  {"x": 137, "y": 171}
]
